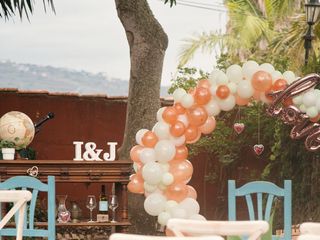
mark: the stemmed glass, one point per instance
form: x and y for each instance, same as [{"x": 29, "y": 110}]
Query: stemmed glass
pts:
[
  {"x": 91, "y": 204},
  {"x": 113, "y": 204}
]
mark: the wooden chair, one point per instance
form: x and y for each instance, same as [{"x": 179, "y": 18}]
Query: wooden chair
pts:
[
  {"x": 122, "y": 236},
  {"x": 185, "y": 227},
  {"x": 261, "y": 189},
  {"x": 20, "y": 199},
  {"x": 35, "y": 186},
  {"x": 309, "y": 231}
]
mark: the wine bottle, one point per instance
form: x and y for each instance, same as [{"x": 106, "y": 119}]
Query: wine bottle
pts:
[
  {"x": 38, "y": 124},
  {"x": 103, "y": 215}
]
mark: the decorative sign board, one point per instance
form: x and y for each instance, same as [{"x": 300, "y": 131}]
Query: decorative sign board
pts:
[{"x": 91, "y": 152}]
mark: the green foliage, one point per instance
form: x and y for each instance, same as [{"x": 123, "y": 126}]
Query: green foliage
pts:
[
  {"x": 7, "y": 144},
  {"x": 172, "y": 2}
]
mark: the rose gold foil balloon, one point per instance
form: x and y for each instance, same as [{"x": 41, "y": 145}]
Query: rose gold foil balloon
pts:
[{"x": 197, "y": 115}]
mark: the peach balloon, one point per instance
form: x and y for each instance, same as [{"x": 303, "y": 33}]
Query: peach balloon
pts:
[
  {"x": 241, "y": 101},
  {"x": 315, "y": 119},
  {"x": 197, "y": 115},
  {"x": 191, "y": 133},
  {"x": 181, "y": 153},
  {"x": 261, "y": 81},
  {"x": 279, "y": 84},
  {"x": 180, "y": 109},
  {"x": 204, "y": 83},
  {"x": 170, "y": 115},
  {"x": 223, "y": 92},
  {"x": 192, "y": 193},
  {"x": 177, "y": 129},
  {"x": 177, "y": 192},
  {"x": 208, "y": 126},
  {"x": 136, "y": 184},
  {"x": 181, "y": 170},
  {"x": 196, "y": 139},
  {"x": 134, "y": 153},
  {"x": 149, "y": 139},
  {"x": 202, "y": 95}
]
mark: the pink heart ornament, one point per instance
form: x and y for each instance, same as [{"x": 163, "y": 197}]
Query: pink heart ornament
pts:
[
  {"x": 238, "y": 127},
  {"x": 258, "y": 149}
]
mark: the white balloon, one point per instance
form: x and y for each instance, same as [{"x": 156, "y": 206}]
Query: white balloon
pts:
[
  {"x": 167, "y": 178},
  {"x": 213, "y": 90},
  {"x": 302, "y": 108},
  {"x": 135, "y": 167},
  {"x": 163, "y": 218},
  {"x": 140, "y": 134},
  {"x": 155, "y": 204},
  {"x": 184, "y": 119},
  {"x": 190, "y": 205},
  {"x": 212, "y": 108},
  {"x": 159, "y": 114},
  {"x": 165, "y": 150},
  {"x": 149, "y": 187},
  {"x": 222, "y": 78},
  {"x": 249, "y": 68},
  {"x": 162, "y": 130},
  {"x": 318, "y": 104},
  {"x": 152, "y": 173},
  {"x": 198, "y": 217},
  {"x": 179, "y": 213},
  {"x": 178, "y": 94},
  {"x": 234, "y": 73},
  {"x": 233, "y": 87},
  {"x": 187, "y": 100},
  {"x": 317, "y": 92},
  {"x": 178, "y": 141},
  {"x": 161, "y": 186},
  {"x": 289, "y": 76},
  {"x": 297, "y": 100},
  {"x": 214, "y": 75},
  {"x": 312, "y": 112},
  {"x": 165, "y": 167},
  {"x": 170, "y": 205},
  {"x": 276, "y": 75},
  {"x": 147, "y": 155},
  {"x": 309, "y": 99},
  {"x": 228, "y": 103},
  {"x": 267, "y": 67},
  {"x": 245, "y": 89}
]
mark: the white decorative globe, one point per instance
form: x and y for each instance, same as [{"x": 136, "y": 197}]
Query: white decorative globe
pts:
[{"x": 17, "y": 127}]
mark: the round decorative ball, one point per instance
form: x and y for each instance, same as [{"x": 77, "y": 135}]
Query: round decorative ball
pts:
[{"x": 17, "y": 127}]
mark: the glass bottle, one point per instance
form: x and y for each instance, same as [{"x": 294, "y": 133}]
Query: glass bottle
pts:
[{"x": 63, "y": 213}]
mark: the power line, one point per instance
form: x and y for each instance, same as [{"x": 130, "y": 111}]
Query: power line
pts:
[
  {"x": 202, "y": 7},
  {"x": 204, "y": 4}
]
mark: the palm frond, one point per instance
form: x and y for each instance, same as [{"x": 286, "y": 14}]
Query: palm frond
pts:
[{"x": 279, "y": 8}]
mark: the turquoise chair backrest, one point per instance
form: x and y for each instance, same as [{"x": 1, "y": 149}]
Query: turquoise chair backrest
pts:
[
  {"x": 263, "y": 190},
  {"x": 35, "y": 186}
]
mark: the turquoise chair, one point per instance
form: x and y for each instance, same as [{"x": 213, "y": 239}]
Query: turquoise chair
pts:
[
  {"x": 263, "y": 208},
  {"x": 35, "y": 186}
]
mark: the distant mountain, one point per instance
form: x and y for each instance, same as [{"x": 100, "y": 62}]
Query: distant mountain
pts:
[{"x": 52, "y": 79}]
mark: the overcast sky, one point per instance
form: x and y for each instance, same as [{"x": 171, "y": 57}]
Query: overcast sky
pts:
[{"x": 87, "y": 35}]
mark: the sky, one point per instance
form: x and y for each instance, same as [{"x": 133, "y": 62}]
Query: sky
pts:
[{"x": 87, "y": 35}]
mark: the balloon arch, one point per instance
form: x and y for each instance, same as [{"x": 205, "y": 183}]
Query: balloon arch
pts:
[{"x": 160, "y": 158}]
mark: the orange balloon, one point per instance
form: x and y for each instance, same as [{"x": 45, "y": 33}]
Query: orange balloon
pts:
[
  {"x": 181, "y": 170},
  {"x": 315, "y": 119},
  {"x": 223, "y": 92},
  {"x": 279, "y": 84},
  {"x": 197, "y": 115},
  {"x": 177, "y": 192},
  {"x": 177, "y": 129},
  {"x": 261, "y": 81},
  {"x": 170, "y": 115},
  {"x": 208, "y": 126},
  {"x": 169, "y": 233},
  {"x": 241, "y": 101},
  {"x": 180, "y": 109},
  {"x": 136, "y": 184},
  {"x": 134, "y": 153},
  {"x": 202, "y": 95},
  {"x": 192, "y": 193},
  {"x": 191, "y": 133},
  {"x": 181, "y": 153},
  {"x": 204, "y": 83},
  {"x": 196, "y": 139},
  {"x": 149, "y": 139}
]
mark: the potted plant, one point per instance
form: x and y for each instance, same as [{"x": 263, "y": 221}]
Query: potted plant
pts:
[{"x": 8, "y": 149}]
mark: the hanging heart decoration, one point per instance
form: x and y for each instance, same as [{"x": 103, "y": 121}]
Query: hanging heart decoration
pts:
[
  {"x": 238, "y": 127},
  {"x": 258, "y": 149},
  {"x": 33, "y": 172}
]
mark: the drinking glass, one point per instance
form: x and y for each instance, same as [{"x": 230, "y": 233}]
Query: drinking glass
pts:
[
  {"x": 113, "y": 204},
  {"x": 91, "y": 204}
]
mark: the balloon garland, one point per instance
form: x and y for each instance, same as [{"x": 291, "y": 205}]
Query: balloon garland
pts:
[{"x": 160, "y": 156}]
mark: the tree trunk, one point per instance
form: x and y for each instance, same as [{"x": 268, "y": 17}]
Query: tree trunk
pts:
[{"x": 147, "y": 42}]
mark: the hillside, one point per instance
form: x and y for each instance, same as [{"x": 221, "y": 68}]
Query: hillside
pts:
[{"x": 52, "y": 79}]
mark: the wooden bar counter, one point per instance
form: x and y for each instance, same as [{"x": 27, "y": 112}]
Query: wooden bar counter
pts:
[{"x": 69, "y": 171}]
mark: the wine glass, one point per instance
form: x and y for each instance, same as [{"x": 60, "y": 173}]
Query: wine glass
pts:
[
  {"x": 113, "y": 204},
  {"x": 91, "y": 204}
]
